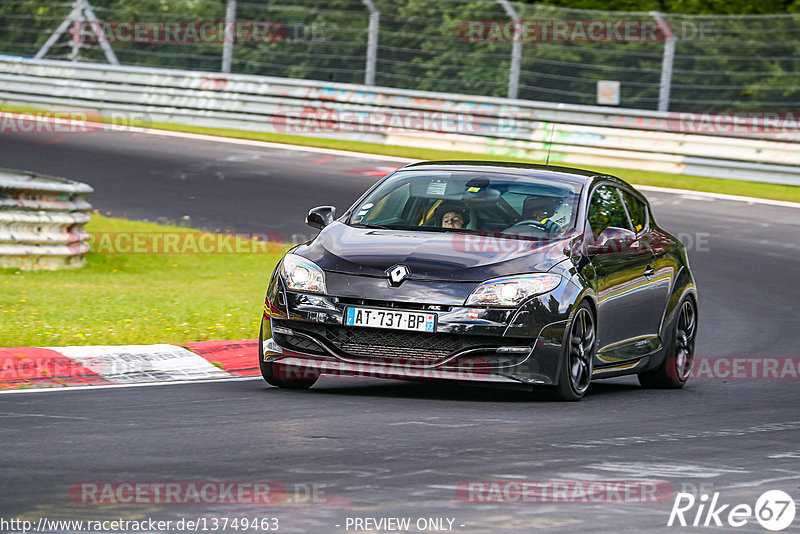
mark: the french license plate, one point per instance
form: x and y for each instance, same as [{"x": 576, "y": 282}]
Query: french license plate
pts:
[{"x": 398, "y": 320}]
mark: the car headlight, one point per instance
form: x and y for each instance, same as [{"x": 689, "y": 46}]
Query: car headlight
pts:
[
  {"x": 511, "y": 290},
  {"x": 301, "y": 274}
]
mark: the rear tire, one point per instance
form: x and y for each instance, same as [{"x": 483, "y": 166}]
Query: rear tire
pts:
[
  {"x": 577, "y": 360},
  {"x": 674, "y": 371},
  {"x": 274, "y": 373}
]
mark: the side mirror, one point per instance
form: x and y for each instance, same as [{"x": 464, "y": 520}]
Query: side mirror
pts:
[
  {"x": 611, "y": 239},
  {"x": 321, "y": 216}
]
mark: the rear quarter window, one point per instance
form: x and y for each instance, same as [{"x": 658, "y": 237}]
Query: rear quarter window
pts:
[
  {"x": 606, "y": 210},
  {"x": 637, "y": 211}
]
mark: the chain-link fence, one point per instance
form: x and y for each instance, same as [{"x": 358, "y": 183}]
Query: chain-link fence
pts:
[{"x": 481, "y": 47}]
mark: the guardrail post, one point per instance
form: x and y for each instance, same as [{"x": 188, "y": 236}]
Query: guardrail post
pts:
[
  {"x": 666, "y": 63},
  {"x": 230, "y": 32},
  {"x": 516, "y": 49},
  {"x": 372, "y": 42}
]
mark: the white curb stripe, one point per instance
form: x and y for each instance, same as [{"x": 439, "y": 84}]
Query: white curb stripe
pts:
[
  {"x": 125, "y": 364},
  {"x": 133, "y": 385}
]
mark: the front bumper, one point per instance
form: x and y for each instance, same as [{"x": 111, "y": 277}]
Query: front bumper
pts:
[
  {"x": 516, "y": 346},
  {"x": 298, "y": 365}
]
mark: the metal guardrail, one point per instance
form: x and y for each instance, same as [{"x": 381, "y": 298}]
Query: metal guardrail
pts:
[
  {"x": 583, "y": 135},
  {"x": 41, "y": 221}
]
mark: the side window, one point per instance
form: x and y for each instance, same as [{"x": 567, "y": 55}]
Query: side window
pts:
[
  {"x": 637, "y": 211},
  {"x": 515, "y": 200},
  {"x": 606, "y": 209}
]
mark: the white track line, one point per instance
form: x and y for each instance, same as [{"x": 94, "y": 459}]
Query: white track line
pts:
[
  {"x": 136, "y": 385},
  {"x": 720, "y": 196},
  {"x": 262, "y": 144}
]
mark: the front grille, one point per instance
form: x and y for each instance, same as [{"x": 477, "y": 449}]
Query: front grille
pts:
[
  {"x": 300, "y": 343},
  {"x": 375, "y": 342},
  {"x": 378, "y": 343}
]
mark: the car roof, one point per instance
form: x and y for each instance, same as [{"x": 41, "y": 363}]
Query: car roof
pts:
[{"x": 569, "y": 174}]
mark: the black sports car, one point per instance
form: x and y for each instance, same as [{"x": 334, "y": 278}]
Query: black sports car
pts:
[{"x": 503, "y": 273}]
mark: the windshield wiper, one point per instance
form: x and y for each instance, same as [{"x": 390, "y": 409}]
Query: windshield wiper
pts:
[{"x": 373, "y": 226}]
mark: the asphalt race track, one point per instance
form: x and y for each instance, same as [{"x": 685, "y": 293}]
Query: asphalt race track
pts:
[{"x": 380, "y": 449}]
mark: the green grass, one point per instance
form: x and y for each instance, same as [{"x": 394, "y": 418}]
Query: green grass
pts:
[
  {"x": 136, "y": 298},
  {"x": 695, "y": 183}
]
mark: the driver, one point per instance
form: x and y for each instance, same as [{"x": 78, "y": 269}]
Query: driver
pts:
[
  {"x": 541, "y": 208},
  {"x": 452, "y": 215}
]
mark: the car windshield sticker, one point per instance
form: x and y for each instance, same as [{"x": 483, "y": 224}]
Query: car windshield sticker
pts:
[
  {"x": 474, "y": 189},
  {"x": 562, "y": 215},
  {"x": 437, "y": 188},
  {"x": 361, "y": 212}
]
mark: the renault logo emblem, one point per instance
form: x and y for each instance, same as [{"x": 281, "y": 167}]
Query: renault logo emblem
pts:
[{"x": 397, "y": 274}]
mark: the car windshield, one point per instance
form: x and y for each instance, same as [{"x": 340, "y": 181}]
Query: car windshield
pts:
[{"x": 462, "y": 201}]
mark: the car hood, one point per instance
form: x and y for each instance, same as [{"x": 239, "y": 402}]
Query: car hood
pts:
[{"x": 445, "y": 256}]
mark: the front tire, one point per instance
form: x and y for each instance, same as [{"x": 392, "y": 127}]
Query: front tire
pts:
[
  {"x": 275, "y": 374},
  {"x": 674, "y": 371},
  {"x": 578, "y": 356}
]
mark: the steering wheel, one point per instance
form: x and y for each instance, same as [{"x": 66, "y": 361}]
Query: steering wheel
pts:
[{"x": 528, "y": 222}]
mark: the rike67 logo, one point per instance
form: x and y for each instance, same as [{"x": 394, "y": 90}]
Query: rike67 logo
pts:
[{"x": 774, "y": 510}]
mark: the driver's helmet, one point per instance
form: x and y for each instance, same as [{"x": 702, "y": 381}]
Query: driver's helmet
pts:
[
  {"x": 450, "y": 206},
  {"x": 540, "y": 207}
]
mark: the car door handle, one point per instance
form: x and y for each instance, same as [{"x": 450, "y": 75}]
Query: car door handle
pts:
[{"x": 649, "y": 271}]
